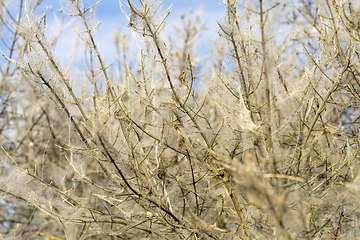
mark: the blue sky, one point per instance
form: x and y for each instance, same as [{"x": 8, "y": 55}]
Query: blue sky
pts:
[{"x": 112, "y": 18}]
